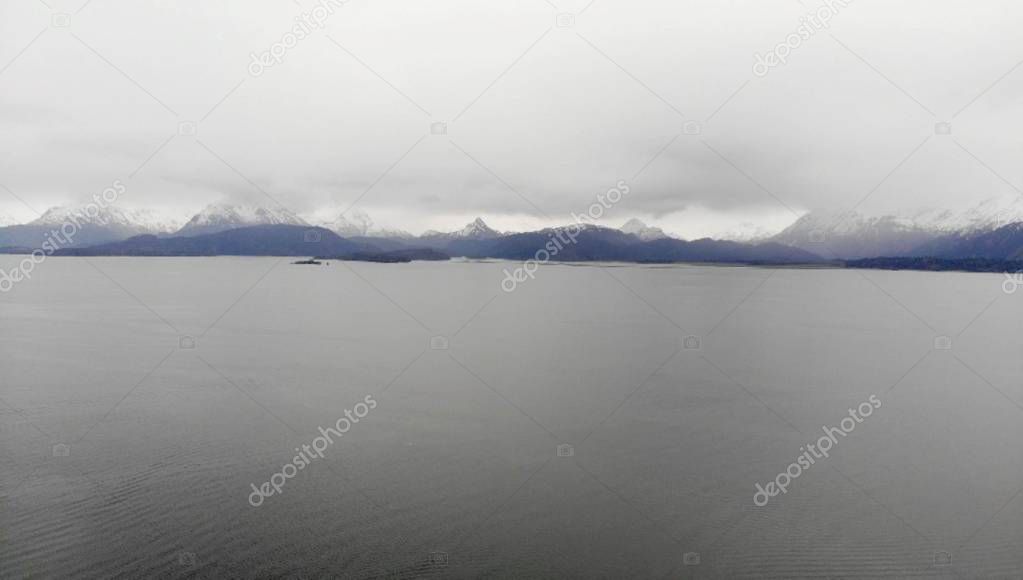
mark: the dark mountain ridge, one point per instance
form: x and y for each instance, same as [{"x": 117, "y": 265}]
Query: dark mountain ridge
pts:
[
  {"x": 265, "y": 240},
  {"x": 594, "y": 243},
  {"x": 569, "y": 244}
]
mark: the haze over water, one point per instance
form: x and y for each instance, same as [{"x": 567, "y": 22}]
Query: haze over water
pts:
[{"x": 456, "y": 473}]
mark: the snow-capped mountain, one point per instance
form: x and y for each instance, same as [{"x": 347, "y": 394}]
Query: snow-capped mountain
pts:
[
  {"x": 222, "y": 217},
  {"x": 988, "y": 215},
  {"x": 478, "y": 229},
  {"x": 155, "y": 222},
  {"x": 352, "y": 223},
  {"x": 139, "y": 220},
  {"x": 475, "y": 230},
  {"x": 851, "y": 234},
  {"x": 6, "y": 220},
  {"x": 83, "y": 225},
  {"x": 357, "y": 223},
  {"x": 642, "y": 231}
]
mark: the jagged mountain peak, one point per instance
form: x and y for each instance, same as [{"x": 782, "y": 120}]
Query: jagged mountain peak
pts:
[{"x": 476, "y": 229}]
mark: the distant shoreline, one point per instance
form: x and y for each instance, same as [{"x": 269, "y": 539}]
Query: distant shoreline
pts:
[{"x": 963, "y": 265}]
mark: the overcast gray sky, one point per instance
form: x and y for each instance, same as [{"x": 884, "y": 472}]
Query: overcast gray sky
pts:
[{"x": 541, "y": 117}]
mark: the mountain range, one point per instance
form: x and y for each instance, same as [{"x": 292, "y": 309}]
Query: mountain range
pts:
[
  {"x": 851, "y": 235},
  {"x": 476, "y": 240},
  {"x": 261, "y": 240},
  {"x": 992, "y": 230},
  {"x": 108, "y": 224},
  {"x": 111, "y": 223}
]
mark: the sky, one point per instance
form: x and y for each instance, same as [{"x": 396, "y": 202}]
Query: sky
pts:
[{"x": 427, "y": 114}]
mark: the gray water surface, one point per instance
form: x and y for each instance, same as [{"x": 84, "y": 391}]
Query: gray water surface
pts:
[{"x": 456, "y": 472}]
